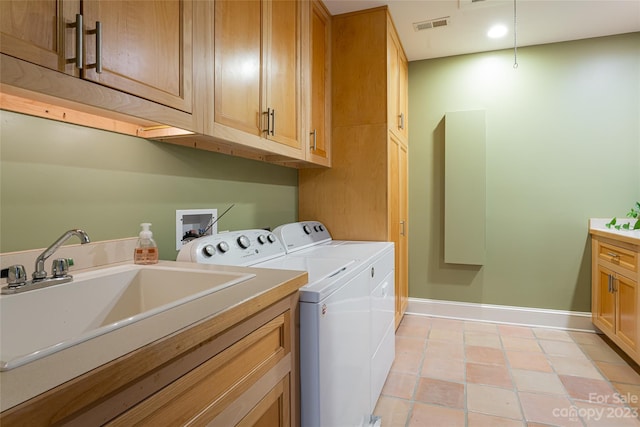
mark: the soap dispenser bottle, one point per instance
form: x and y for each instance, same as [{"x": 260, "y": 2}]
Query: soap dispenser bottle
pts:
[{"x": 146, "y": 251}]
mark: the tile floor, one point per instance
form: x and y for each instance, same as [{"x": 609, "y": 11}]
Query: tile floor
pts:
[{"x": 451, "y": 373}]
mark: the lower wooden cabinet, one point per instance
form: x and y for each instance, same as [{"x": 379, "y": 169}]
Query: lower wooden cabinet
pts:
[
  {"x": 242, "y": 385},
  {"x": 615, "y": 297}
]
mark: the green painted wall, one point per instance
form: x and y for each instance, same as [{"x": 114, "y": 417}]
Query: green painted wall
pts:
[
  {"x": 56, "y": 176},
  {"x": 563, "y": 145}
]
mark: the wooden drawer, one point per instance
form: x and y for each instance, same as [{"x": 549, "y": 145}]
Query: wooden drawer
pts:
[
  {"x": 208, "y": 389},
  {"x": 619, "y": 256}
]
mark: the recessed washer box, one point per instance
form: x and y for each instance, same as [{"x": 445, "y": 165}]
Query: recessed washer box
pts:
[{"x": 192, "y": 223}]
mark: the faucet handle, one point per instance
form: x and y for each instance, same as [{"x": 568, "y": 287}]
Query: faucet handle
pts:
[
  {"x": 16, "y": 275},
  {"x": 60, "y": 267}
]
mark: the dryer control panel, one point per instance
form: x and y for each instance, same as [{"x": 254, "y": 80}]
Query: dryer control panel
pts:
[
  {"x": 243, "y": 248},
  {"x": 296, "y": 236}
]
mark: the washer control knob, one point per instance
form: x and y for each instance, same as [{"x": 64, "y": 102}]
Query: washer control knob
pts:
[
  {"x": 223, "y": 247},
  {"x": 271, "y": 238},
  {"x": 209, "y": 250},
  {"x": 262, "y": 239},
  {"x": 321, "y": 228},
  {"x": 244, "y": 241},
  {"x": 306, "y": 229}
]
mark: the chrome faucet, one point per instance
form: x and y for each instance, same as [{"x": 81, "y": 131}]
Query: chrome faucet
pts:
[
  {"x": 16, "y": 275},
  {"x": 40, "y": 273}
]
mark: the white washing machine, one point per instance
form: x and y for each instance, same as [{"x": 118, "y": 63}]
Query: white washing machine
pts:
[{"x": 346, "y": 312}]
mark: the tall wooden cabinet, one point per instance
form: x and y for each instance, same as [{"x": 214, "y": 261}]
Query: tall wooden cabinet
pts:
[
  {"x": 615, "y": 296},
  {"x": 364, "y": 194}
]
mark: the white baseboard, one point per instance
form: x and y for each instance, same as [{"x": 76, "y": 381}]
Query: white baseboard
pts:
[{"x": 524, "y": 316}]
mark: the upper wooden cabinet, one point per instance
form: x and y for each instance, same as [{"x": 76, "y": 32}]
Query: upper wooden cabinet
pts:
[
  {"x": 146, "y": 48},
  {"x": 320, "y": 97},
  {"x": 257, "y": 79},
  {"x": 141, "y": 48},
  {"x": 398, "y": 87},
  {"x": 40, "y": 32}
]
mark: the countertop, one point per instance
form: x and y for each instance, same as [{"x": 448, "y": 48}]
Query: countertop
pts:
[
  {"x": 228, "y": 306},
  {"x": 597, "y": 227}
]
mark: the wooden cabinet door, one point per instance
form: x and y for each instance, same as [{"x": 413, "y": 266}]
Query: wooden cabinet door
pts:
[
  {"x": 238, "y": 71},
  {"x": 403, "y": 96},
  {"x": 392, "y": 82},
  {"x": 282, "y": 71},
  {"x": 627, "y": 311},
  {"x": 40, "y": 32},
  {"x": 273, "y": 410},
  {"x": 403, "y": 246},
  {"x": 146, "y": 48},
  {"x": 606, "y": 300},
  {"x": 320, "y": 127}
]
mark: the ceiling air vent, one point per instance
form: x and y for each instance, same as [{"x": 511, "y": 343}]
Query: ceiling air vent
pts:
[{"x": 432, "y": 23}]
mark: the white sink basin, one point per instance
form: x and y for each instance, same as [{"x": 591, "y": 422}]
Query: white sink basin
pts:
[{"x": 40, "y": 322}]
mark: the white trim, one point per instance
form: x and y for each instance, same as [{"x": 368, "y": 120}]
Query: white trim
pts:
[{"x": 525, "y": 316}]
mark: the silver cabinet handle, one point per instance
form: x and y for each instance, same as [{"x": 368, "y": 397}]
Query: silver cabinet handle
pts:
[
  {"x": 268, "y": 129},
  {"x": 98, "y": 47},
  {"x": 98, "y": 33},
  {"x": 79, "y": 47},
  {"x": 609, "y": 282},
  {"x": 315, "y": 134},
  {"x": 401, "y": 121},
  {"x": 402, "y": 231},
  {"x": 613, "y": 254},
  {"x": 273, "y": 121}
]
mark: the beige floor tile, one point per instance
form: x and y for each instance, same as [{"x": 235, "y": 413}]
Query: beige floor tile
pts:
[
  {"x": 594, "y": 415},
  {"x": 448, "y": 335},
  {"x": 412, "y": 319},
  {"x": 562, "y": 348},
  {"x": 516, "y": 331},
  {"x": 602, "y": 353},
  {"x": 628, "y": 394},
  {"x": 439, "y": 392},
  {"x": 445, "y": 350},
  {"x": 424, "y": 415},
  {"x": 410, "y": 344},
  {"x": 586, "y": 337},
  {"x": 482, "y": 420},
  {"x": 407, "y": 362},
  {"x": 488, "y": 355},
  {"x": 451, "y": 324},
  {"x": 549, "y": 409},
  {"x": 532, "y": 361},
  {"x": 552, "y": 334},
  {"x": 520, "y": 344},
  {"x": 443, "y": 368},
  {"x": 480, "y": 338},
  {"x": 619, "y": 373},
  {"x": 538, "y": 382},
  {"x": 592, "y": 390},
  {"x": 570, "y": 366},
  {"x": 491, "y": 328},
  {"x": 394, "y": 412},
  {"x": 495, "y": 375},
  {"x": 413, "y": 329},
  {"x": 400, "y": 385},
  {"x": 493, "y": 401}
]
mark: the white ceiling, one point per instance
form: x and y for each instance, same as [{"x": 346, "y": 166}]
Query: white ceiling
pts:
[{"x": 538, "y": 22}]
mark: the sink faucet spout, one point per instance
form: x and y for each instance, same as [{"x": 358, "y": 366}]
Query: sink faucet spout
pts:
[{"x": 40, "y": 273}]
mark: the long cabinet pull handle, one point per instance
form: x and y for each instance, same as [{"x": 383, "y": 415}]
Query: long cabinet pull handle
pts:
[
  {"x": 98, "y": 47},
  {"x": 402, "y": 121},
  {"x": 402, "y": 231},
  {"x": 609, "y": 282},
  {"x": 273, "y": 121},
  {"x": 268, "y": 129},
  {"x": 315, "y": 134},
  {"x": 79, "y": 47}
]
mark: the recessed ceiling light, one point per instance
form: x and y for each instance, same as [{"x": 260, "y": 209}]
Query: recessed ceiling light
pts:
[{"x": 497, "y": 31}]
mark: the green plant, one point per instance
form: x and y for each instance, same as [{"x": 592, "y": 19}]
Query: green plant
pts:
[{"x": 633, "y": 213}]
